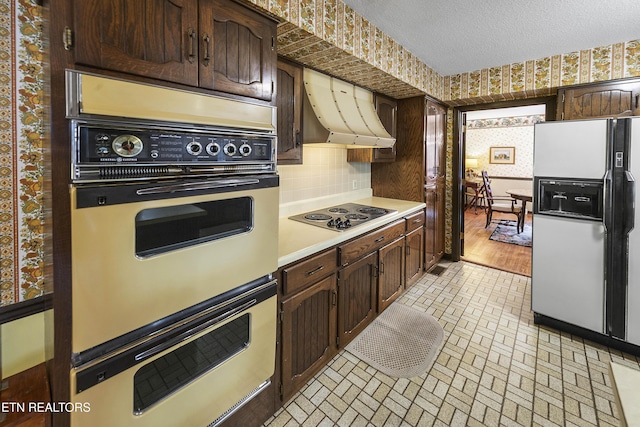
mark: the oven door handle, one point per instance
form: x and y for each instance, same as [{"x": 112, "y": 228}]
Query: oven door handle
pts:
[
  {"x": 203, "y": 185},
  {"x": 193, "y": 331}
]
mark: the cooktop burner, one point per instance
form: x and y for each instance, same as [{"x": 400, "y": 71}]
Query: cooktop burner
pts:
[{"x": 341, "y": 217}]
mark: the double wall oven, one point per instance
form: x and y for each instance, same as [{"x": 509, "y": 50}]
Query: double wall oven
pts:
[{"x": 174, "y": 222}]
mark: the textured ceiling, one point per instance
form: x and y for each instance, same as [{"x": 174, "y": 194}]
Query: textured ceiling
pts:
[{"x": 456, "y": 36}]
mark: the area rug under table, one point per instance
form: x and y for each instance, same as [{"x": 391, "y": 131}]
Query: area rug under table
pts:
[
  {"x": 401, "y": 342},
  {"x": 506, "y": 232}
]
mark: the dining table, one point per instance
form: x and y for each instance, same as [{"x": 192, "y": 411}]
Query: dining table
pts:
[{"x": 525, "y": 195}]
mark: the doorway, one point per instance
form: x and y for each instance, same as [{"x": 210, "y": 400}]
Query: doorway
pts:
[{"x": 496, "y": 138}]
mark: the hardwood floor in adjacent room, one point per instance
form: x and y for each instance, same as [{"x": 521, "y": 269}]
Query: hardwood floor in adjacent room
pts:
[{"x": 479, "y": 249}]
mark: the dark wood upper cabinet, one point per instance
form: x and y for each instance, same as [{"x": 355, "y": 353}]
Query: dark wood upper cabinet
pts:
[
  {"x": 289, "y": 103},
  {"x": 387, "y": 110},
  {"x": 238, "y": 49},
  {"x": 435, "y": 142},
  {"x": 595, "y": 100},
  {"x": 214, "y": 44},
  {"x": 152, "y": 38}
]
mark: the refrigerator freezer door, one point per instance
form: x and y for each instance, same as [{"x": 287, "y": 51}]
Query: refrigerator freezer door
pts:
[
  {"x": 568, "y": 271},
  {"x": 633, "y": 289},
  {"x": 571, "y": 149}
]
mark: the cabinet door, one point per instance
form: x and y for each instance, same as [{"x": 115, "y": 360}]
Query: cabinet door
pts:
[
  {"x": 435, "y": 144},
  {"x": 387, "y": 110},
  {"x": 308, "y": 334},
  {"x": 238, "y": 52},
  {"x": 599, "y": 100},
  {"x": 431, "y": 217},
  {"x": 390, "y": 273},
  {"x": 356, "y": 297},
  {"x": 151, "y": 38},
  {"x": 414, "y": 254},
  {"x": 289, "y": 104}
]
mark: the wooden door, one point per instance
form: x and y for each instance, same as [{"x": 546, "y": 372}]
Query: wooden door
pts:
[
  {"x": 308, "y": 333},
  {"x": 356, "y": 297},
  {"x": 414, "y": 254},
  {"x": 390, "y": 273},
  {"x": 150, "y": 38},
  {"x": 439, "y": 220},
  {"x": 599, "y": 100},
  {"x": 430, "y": 227},
  {"x": 238, "y": 51},
  {"x": 289, "y": 104}
]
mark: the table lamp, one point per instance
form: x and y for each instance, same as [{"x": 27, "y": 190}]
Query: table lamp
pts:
[{"x": 470, "y": 165}]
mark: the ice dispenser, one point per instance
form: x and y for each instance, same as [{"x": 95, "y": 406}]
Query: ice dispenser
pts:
[{"x": 569, "y": 198}]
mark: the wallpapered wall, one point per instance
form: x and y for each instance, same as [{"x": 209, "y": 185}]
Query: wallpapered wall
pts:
[
  {"x": 21, "y": 165},
  {"x": 322, "y": 33},
  {"x": 514, "y": 132}
]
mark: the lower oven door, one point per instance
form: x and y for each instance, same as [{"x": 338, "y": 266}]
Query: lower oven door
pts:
[
  {"x": 191, "y": 374},
  {"x": 141, "y": 252}
]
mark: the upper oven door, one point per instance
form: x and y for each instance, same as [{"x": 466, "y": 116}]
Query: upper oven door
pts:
[{"x": 142, "y": 252}]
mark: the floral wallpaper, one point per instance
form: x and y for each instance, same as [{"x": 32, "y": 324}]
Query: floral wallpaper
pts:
[
  {"x": 21, "y": 165},
  {"x": 540, "y": 76}
]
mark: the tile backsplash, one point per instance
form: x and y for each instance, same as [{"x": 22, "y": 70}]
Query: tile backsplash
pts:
[{"x": 324, "y": 172}]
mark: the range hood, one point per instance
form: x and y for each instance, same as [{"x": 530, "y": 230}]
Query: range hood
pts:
[{"x": 338, "y": 112}]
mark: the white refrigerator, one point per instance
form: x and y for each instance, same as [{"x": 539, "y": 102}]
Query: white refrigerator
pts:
[{"x": 585, "y": 256}]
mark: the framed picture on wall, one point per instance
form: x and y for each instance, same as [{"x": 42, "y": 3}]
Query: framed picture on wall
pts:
[{"x": 503, "y": 155}]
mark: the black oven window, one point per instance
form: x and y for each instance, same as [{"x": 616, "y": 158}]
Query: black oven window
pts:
[
  {"x": 158, "y": 379},
  {"x": 160, "y": 230}
]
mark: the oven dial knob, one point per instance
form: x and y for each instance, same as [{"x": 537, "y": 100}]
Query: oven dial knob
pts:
[
  {"x": 230, "y": 149},
  {"x": 213, "y": 148},
  {"x": 102, "y": 151},
  {"x": 127, "y": 145},
  {"x": 194, "y": 148},
  {"x": 245, "y": 149}
]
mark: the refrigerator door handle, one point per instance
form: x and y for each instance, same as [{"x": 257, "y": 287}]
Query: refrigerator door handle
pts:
[
  {"x": 607, "y": 211},
  {"x": 630, "y": 197}
]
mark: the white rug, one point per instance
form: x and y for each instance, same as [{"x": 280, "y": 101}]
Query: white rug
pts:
[{"x": 401, "y": 342}]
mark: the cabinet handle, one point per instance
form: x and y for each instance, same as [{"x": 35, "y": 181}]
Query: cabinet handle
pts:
[
  {"x": 297, "y": 132},
  {"x": 417, "y": 220},
  {"x": 334, "y": 298},
  {"x": 407, "y": 250},
  {"x": 381, "y": 267},
  {"x": 637, "y": 96},
  {"x": 315, "y": 270},
  {"x": 379, "y": 239},
  {"x": 192, "y": 45},
  {"x": 206, "y": 41}
]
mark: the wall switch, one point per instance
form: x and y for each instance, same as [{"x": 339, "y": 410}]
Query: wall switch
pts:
[{"x": 354, "y": 184}]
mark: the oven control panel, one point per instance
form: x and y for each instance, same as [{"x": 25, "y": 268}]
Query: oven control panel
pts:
[{"x": 106, "y": 152}]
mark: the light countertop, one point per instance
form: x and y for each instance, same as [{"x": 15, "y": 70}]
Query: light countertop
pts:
[{"x": 298, "y": 240}]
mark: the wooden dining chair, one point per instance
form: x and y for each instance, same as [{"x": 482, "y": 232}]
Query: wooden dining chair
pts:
[{"x": 500, "y": 204}]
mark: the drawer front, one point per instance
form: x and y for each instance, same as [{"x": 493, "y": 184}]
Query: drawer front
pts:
[
  {"x": 415, "y": 221},
  {"x": 355, "y": 249},
  {"x": 302, "y": 274}
]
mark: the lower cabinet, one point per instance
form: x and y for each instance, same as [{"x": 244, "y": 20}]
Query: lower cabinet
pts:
[
  {"x": 328, "y": 298},
  {"x": 391, "y": 278},
  {"x": 357, "y": 296},
  {"x": 308, "y": 333},
  {"x": 414, "y": 256}
]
